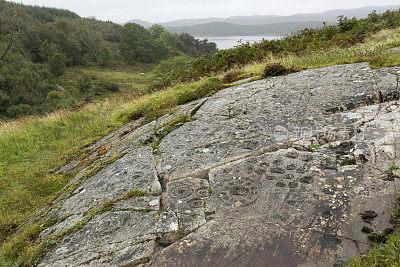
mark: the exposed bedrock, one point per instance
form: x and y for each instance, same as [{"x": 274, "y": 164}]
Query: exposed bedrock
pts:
[{"x": 277, "y": 172}]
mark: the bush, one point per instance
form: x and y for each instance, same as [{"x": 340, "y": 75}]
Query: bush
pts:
[
  {"x": 45, "y": 74},
  {"x": 232, "y": 76},
  {"x": 275, "y": 69},
  {"x": 101, "y": 86},
  {"x": 84, "y": 84},
  {"x": 57, "y": 64},
  {"x": 158, "y": 84},
  {"x": 5, "y": 101},
  {"x": 104, "y": 57},
  {"x": 18, "y": 111},
  {"x": 55, "y": 95},
  {"x": 112, "y": 87},
  {"x": 67, "y": 103},
  {"x": 168, "y": 67}
]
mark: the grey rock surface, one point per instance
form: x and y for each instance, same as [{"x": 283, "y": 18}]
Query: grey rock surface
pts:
[
  {"x": 135, "y": 170},
  {"x": 270, "y": 173}
]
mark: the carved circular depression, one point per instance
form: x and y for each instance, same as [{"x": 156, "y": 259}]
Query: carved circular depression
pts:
[
  {"x": 183, "y": 190},
  {"x": 196, "y": 203},
  {"x": 241, "y": 191},
  {"x": 202, "y": 192},
  {"x": 238, "y": 192}
]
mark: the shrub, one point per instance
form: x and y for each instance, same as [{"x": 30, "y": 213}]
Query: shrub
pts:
[
  {"x": 5, "y": 101},
  {"x": 101, "y": 86},
  {"x": 67, "y": 103},
  {"x": 57, "y": 64},
  {"x": 18, "y": 111},
  {"x": 159, "y": 84},
  {"x": 112, "y": 87},
  {"x": 55, "y": 95},
  {"x": 104, "y": 57},
  {"x": 84, "y": 84},
  {"x": 168, "y": 67},
  {"x": 45, "y": 74},
  {"x": 232, "y": 76},
  {"x": 275, "y": 69}
]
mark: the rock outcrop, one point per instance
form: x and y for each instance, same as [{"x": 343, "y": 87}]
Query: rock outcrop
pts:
[{"x": 278, "y": 172}]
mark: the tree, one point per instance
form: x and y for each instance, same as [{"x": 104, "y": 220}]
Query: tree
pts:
[
  {"x": 47, "y": 50},
  {"x": 161, "y": 50},
  {"x": 206, "y": 47},
  {"x": 136, "y": 44},
  {"x": 156, "y": 31},
  {"x": 12, "y": 25},
  {"x": 104, "y": 56},
  {"x": 188, "y": 44},
  {"x": 166, "y": 67},
  {"x": 5, "y": 101},
  {"x": 90, "y": 42},
  {"x": 57, "y": 64}
]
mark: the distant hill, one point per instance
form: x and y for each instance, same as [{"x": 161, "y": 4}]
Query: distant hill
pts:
[
  {"x": 328, "y": 16},
  {"x": 230, "y": 29},
  {"x": 141, "y": 22}
]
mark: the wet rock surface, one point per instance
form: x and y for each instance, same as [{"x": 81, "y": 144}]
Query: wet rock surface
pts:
[{"x": 277, "y": 172}]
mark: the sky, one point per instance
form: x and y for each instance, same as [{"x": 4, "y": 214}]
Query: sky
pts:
[{"x": 121, "y": 11}]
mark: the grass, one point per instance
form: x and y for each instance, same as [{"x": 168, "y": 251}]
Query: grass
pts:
[
  {"x": 373, "y": 51},
  {"x": 23, "y": 247},
  {"x": 393, "y": 168},
  {"x": 26, "y": 249},
  {"x": 387, "y": 254},
  {"x": 32, "y": 148},
  {"x": 157, "y": 104},
  {"x": 381, "y": 255},
  {"x": 133, "y": 81}
]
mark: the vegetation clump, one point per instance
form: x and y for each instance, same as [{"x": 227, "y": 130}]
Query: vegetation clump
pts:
[
  {"x": 112, "y": 87},
  {"x": 393, "y": 168},
  {"x": 163, "y": 102},
  {"x": 275, "y": 69},
  {"x": 84, "y": 84},
  {"x": 366, "y": 230},
  {"x": 386, "y": 250},
  {"x": 368, "y": 216},
  {"x": 380, "y": 238},
  {"x": 232, "y": 76}
]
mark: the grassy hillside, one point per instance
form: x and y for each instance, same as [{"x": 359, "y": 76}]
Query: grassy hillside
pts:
[
  {"x": 131, "y": 81},
  {"x": 38, "y": 44},
  {"x": 34, "y": 147}
]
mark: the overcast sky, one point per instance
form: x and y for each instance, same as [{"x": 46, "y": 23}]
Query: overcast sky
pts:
[{"x": 166, "y": 10}]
